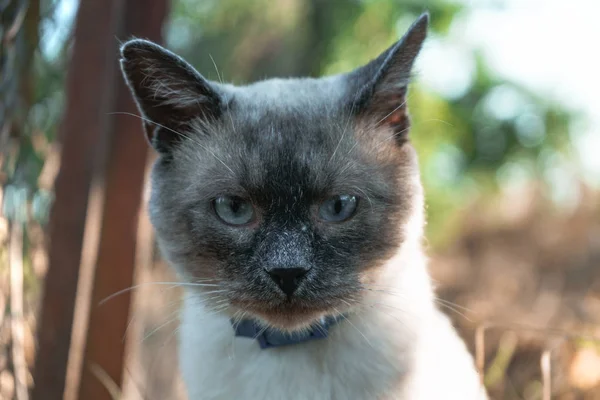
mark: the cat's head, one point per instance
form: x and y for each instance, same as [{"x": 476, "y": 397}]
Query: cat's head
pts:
[{"x": 283, "y": 197}]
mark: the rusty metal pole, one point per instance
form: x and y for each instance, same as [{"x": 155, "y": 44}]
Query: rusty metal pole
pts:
[{"x": 123, "y": 182}]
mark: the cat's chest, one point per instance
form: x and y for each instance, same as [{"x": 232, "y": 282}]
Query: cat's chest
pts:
[{"x": 345, "y": 366}]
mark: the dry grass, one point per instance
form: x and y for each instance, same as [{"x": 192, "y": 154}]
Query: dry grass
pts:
[{"x": 529, "y": 285}]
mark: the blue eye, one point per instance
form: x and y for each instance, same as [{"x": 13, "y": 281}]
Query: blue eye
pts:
[
  {"x": 338, "y": 208},
  {"x": 233, "y": 210}
]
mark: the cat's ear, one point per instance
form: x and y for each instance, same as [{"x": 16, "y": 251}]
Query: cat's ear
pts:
[
  {"x": 382, "y": 84},
  {"x": 169, "y": 92}
]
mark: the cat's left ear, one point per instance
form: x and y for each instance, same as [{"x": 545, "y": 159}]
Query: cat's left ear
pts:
[{"x": 382, "y": 84}]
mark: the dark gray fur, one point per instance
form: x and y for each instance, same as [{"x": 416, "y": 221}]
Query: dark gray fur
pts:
[{"x": 286, "y": 145}]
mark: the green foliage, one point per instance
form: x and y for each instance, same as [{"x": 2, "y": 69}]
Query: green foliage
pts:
[{"x": 37, "y": 112}]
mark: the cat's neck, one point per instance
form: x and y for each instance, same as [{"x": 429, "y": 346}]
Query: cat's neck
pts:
[{"x": 381, "y": 337}]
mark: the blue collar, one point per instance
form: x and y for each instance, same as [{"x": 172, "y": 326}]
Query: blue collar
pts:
[{"x": 268, "y": 338}]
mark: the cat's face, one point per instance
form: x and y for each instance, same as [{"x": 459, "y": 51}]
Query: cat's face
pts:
[{"x": 281, "y": 198}]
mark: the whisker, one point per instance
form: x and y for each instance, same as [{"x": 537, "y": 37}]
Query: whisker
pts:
[
  {"x": 172, "y": 284},
  {"x": 404, "y": 311},
  {"x": 262, "y": 330},
  {"x": 162, "y": 348},
  {"x": 379, "y": 285},
  {"x": 219, "y": 301},
  {"x": 236, "y": 321},
  {"x": 439, "y": 120},
  {"x": 127, "y": 328},
  {"x": 450, "y": 307},
  {"x": 455, "y": 305},
  {"x": 216, "y": 291},
  {"x": 320, "y": 329},
  {"x": 354, "y": 326},
  {"x": 444, "y": 303},
  {"x": 177, "y": 133},
  {"x": 152, "y": 332},
  {"x": 366, "y": 195},
  {"x": 376, "y": 125},
  {"x": 216, "y": 69},
  {"x": 345, "y": 302},
  {"x": 170, "y": 306},
  {"x": 400, "y": 295},
  {"x": 342, "y": 136},
  {"x": 393, "y": 111},
  {"x": 377, "y": 146},
  {"x": 389, "y": 314}
]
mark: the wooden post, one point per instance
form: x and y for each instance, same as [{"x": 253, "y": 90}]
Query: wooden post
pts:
[
  {"x": 123, "y": 183},
  {"x": 91, "y": 76},
  {"x": 95, "y": 144}
]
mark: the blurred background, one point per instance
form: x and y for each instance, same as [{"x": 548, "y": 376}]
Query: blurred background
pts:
[{"x": 505, "y": 118}]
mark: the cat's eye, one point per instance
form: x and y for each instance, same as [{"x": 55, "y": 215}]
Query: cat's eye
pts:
[
  {"x": 234, "y": 210},
  {"x": 338, "y": 208}
]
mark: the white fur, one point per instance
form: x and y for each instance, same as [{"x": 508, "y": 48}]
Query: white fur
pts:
[{"x": 399, "y": 347}]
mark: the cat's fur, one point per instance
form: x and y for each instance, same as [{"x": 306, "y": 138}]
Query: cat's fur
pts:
[{"x": 286, "y": 145}]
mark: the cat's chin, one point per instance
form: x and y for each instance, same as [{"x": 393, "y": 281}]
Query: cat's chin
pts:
[{"x": 290, "y": 320}]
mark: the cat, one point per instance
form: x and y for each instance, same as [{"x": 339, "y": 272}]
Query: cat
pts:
[{"x": 292, "y": 211}]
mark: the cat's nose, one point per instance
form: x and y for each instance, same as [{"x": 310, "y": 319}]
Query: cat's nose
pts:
[{"x": 288, "y": 279}]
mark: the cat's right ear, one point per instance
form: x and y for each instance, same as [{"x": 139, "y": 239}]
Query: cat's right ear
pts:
[
  {"x": 169, "y": 92},
  {"x": 380, "y": 88}
]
